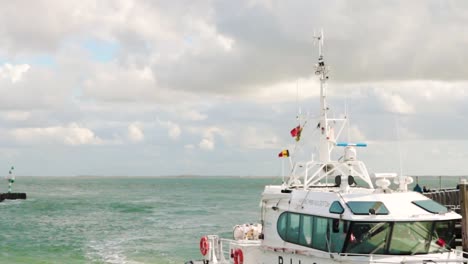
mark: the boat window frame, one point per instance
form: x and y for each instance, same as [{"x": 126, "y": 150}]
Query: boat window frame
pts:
[
  {"x": 333, "y": 209},
  {"x": 346, "y": 228},
  {"x": 430, "y": 240},
  {"x": 429, "y": 204},
  {"x": 284, "y": 218},
  {"x": 382, "y": 210}
]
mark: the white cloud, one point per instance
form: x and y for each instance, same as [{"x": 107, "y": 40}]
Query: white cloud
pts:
[
  {"x": 355, "y": 134},
  {"x": 203, "y": 66},
  {"x": 407, "y": 97},
  {"x": 194, "y": 115},
  {"x": 13, "y": 72},
  {"x": 207, "y": 144},
  {"x": 135, "y": 132},
  {"x": 419, "y": 157},
  {"x": 37, "y": 88},
  {"x": 395, "y": 103},
  {"x": 207, "y": 32},
  {"x": 208, "y": 141},
  {"x": 111, "y": 82},
  {"x": 73, "y": 135},
  {"x": 210, "y": 132},
  {"x": 173, "y": 129},
  {"x": 286, "y": 91}
]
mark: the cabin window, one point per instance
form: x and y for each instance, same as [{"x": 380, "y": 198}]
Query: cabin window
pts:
[
  {"x": 410, "y": 238},
  {"x": 312, "y": 231},
  {"x": 293, "y": 228},
  {"x": 288, "y": 227},
  {"x": 320, "y": 233},
  {"x": 337, "y": 234},
  {"x": 306, "y": 231},
  {"x": 431, "y": 206},
  {"x": 400, "y": 238},
  {"x": 368, "y": 238},
  {"x": 392, "y": 238},
  {"x": 336, "y": 208},
  {"x": 444, "y": 232},
  {"x": 367, "y": 208},
  {"x": 282, "y": 225}
]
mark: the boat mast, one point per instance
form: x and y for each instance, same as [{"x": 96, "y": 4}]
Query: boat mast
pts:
[{"x": 322, "y": 71}]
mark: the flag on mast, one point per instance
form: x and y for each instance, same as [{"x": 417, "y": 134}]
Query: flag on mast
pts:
[
  {"x": 284, "y": 154},
  {"x": 296, "y": 132}
]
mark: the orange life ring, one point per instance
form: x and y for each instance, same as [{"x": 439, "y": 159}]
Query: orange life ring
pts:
[
  {"x": 238, "y": 257},
  {"x": 204, "y": 245}
]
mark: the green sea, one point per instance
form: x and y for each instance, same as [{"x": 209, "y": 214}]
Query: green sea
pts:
[{"x": 126, "y": 219}]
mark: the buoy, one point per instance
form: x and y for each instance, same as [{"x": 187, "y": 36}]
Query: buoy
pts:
[
  {"x": 238, "y": 256},
  {"x": 204, "y": 245}
]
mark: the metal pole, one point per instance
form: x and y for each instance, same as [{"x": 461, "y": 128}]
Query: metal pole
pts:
[
  {"x": 464, "y": 213},
  {"x": 282, "y": 170}
]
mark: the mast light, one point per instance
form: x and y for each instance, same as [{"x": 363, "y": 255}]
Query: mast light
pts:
[{"x": 346, "y": 144}]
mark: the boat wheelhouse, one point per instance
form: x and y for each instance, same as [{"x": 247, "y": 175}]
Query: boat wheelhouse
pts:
[{"x": 335, "y": 211}]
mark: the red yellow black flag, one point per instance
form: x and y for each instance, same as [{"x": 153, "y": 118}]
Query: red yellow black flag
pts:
[{"x": 284, "y": 154}]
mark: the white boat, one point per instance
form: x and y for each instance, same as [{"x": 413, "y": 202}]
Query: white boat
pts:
[{"x": 335, "y": 211}]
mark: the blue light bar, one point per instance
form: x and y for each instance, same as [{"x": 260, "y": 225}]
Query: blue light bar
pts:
[{"x": 346, "y": 144}]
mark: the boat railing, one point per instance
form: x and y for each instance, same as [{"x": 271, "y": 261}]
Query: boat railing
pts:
[
  {"x": 228, "y": 246},
  {"x": 371, "y": 258},
  {"x": 221, "y": 250},
  {"x": 310, "y": 174}
]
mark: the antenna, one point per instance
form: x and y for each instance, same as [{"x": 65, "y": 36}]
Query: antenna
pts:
[
  {"x": 299, "y": 110},
  {"x": 348, "y": 130},
  {"x": 282, "y": 170},
  {"x": 321, "y": 69},
  {"x": 319, "y": 40}
]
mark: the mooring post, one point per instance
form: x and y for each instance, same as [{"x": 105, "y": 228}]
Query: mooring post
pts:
[{"x": 464, "y": 212}]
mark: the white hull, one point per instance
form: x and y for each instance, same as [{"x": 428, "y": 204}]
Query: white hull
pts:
[{"x": 254, "y": 253}]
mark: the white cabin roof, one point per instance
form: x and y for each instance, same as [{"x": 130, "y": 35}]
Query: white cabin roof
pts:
[{"x": 317, "y": 201}]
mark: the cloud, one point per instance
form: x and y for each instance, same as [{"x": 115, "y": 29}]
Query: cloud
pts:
[
  {"x": 287, "y": 91},
  {"x": 225, "y": 75},
  {"x": 355, "y": 134},
  {"x": 194, "y": 115},
  {"x": 173, "y": 129},
  {"x": 72, "y": 135},
  {"x": 394, "y": 103},
  {"x": 13, "y": 72},
  {"x": 26, "y": 88},
  {"x": 135, "y": 132},
  {"x": 208, "y": 134},
  {"x": 110, "y": 82},
  {"x": 207, "y": 144}
]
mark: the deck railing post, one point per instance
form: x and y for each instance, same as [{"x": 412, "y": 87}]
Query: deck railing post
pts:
[{"x": 464, "y": 212}]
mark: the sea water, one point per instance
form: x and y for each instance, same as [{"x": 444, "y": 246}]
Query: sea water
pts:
[
  {"x": 127, "y": 219},
  {"x": 122, "y": 220}
]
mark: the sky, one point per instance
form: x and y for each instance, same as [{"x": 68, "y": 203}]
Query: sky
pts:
[{"x": 160, "y": 88}]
